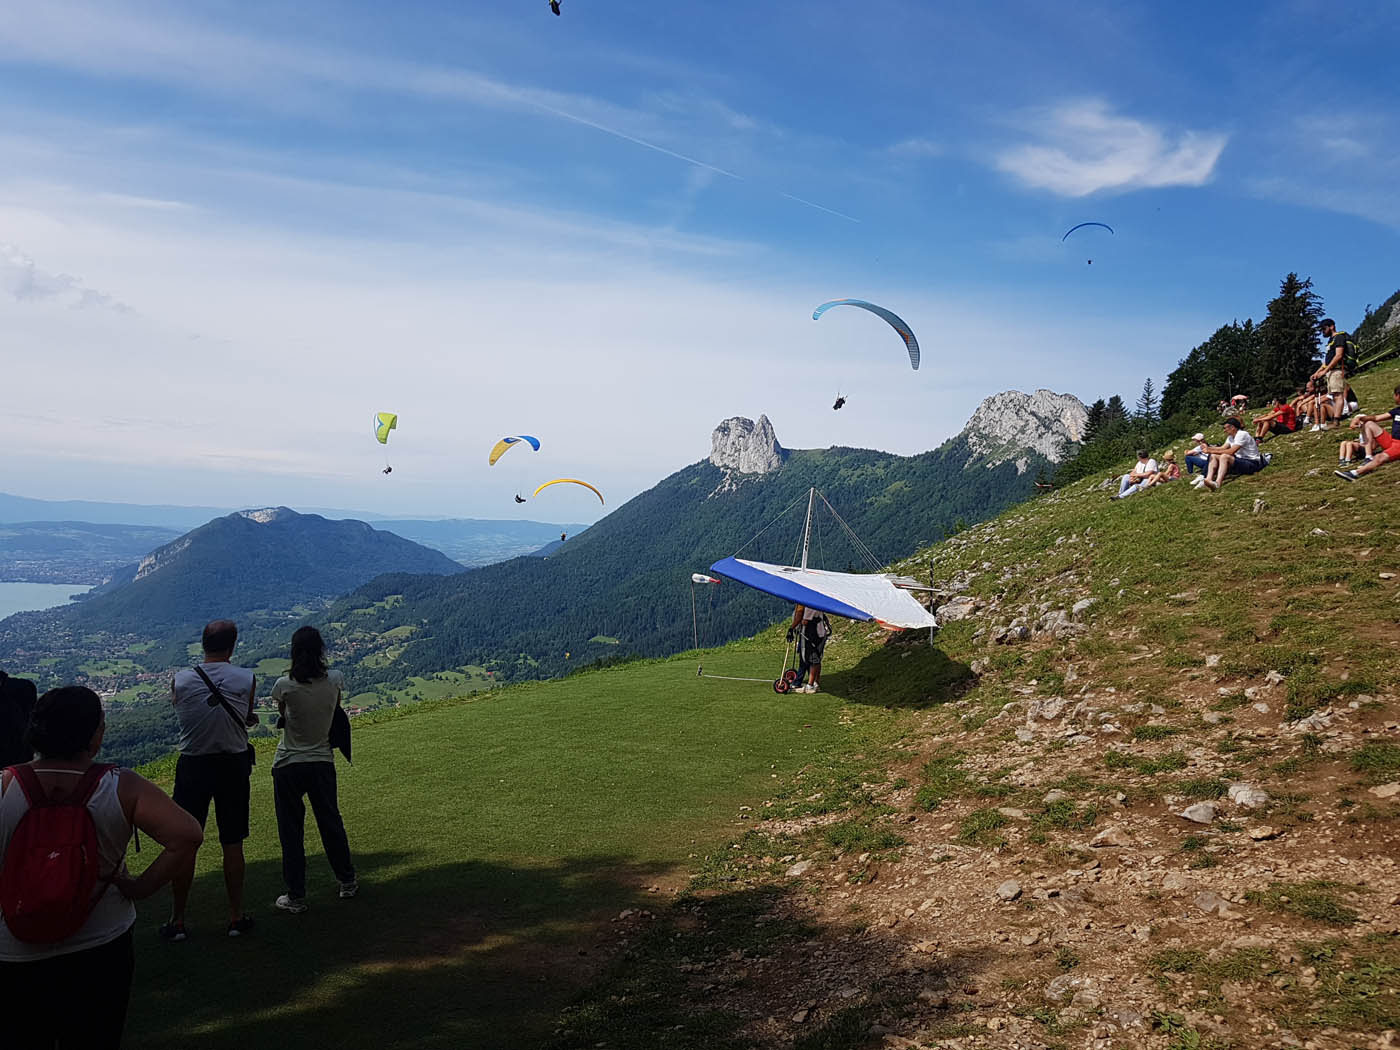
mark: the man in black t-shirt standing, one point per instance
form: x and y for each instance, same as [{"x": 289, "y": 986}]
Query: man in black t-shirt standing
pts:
[{"x": 1334, "y": 368}]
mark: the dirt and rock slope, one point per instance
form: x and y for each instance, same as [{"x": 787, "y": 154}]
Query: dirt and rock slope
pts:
[{"x": 1146, "y": 794}]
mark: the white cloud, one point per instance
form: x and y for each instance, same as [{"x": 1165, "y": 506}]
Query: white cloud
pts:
[
  {"x": 25, "y": 281},
  {"x": 1083, "y": 148}
]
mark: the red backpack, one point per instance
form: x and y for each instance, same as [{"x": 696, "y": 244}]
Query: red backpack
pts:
[{"x": 49, "y": 878}]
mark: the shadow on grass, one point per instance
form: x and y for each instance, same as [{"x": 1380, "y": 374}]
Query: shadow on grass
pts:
[
  {"x": 462, "y": 955},
  {"x": 905, "y": 672},
  {"x": 749, "y": 968}
]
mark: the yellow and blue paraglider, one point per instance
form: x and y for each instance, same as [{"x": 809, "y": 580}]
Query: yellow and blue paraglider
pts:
[
  {"x": 507, "y": 443},
  {"x": 572, "y": 481},
  {"x": 383, "y": 423},
  {"x": 892, "y": 319}
]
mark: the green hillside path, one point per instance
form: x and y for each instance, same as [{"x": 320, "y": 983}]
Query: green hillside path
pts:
[{"x": 496, "y": 839}]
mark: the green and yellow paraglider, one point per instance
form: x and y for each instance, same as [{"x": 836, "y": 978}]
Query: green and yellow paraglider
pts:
[
  {"x": 572, "y": 481},
  {"x": 383, "y": 423}
]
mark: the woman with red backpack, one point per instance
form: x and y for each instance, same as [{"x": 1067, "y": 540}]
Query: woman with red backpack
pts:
[{"x": 66, "y": 898}]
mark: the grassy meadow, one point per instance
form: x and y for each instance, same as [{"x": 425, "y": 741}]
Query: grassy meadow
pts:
[{"x": 495, "y": 837}]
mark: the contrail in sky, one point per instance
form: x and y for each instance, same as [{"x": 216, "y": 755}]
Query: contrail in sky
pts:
[
  {"x": 819, "y": 207},
  {"x": 565, "y": 115}
]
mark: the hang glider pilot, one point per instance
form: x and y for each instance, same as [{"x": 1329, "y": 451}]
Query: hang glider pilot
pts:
[{"x": 812, "y": 629}]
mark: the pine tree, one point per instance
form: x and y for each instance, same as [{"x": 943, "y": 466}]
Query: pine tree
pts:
[
  {"x": 1288, "y": 335},
  {"x": 1115, "y": 411},
  {"x": 1093, "y": 422},
  {"x": 1146, "y": 411}
]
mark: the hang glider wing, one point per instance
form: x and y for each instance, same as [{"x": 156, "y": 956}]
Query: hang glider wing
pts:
[{"x": 856, "y": 596}]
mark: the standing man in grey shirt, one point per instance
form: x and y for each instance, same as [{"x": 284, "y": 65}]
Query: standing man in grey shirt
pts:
[{"x": 215, "y": 764}]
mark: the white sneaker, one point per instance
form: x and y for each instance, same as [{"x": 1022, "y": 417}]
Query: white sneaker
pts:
[
  {"x": 1324, "y": 426},
  {"x": 812, "y": 689},
  {"x": 1198, "y": 481},
  {"x": 1315, "y": 428},
  {"x": 295, "y": 905}
]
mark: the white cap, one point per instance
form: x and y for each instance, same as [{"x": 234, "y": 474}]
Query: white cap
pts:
[{"x": 1198, "y": 437}]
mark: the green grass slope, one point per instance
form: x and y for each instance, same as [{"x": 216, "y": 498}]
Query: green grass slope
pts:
[{"x": 496, "y": 838}]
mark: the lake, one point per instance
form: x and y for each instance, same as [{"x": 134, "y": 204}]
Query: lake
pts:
[{"x": 25, "y": 597}]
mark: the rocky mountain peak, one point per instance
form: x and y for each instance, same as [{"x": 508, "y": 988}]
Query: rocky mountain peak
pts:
[
  {"x": 1007, "y": 425},
  {"x": 265, "y": 515},
  {"x": 742, "y": 446}
]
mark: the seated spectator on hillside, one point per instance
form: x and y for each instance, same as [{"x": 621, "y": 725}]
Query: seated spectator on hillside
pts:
[
  {"x": 1197, "y": 458},
  {"x": 1239, "y": 455},
  {"x": 1169, "y": 471},
  {"x": 1385, "y": 446},
  {"x": 1303, "y": 403},
  {"x": 1145, "y": 467},
  {"x": 1281, "y": 419},
  {"x": 1349, "y": 402}
]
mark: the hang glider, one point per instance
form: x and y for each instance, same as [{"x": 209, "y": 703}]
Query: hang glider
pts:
[
  {"x": 854, "y": 595},
  {"x": 865, "y": 596}
]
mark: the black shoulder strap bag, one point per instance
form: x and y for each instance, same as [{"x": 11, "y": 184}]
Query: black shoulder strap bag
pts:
[{"x": 216, "y": 697}]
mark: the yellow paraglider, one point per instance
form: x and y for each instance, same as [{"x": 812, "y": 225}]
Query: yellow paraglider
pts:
[
  {"x": 383, "y": 423},
  {"x": 572, "y": 481}
]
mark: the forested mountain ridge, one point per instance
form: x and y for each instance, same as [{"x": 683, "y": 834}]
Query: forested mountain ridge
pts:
[
  {"x": 622, "y": 587},
  {"x": 254, "y": 559}
]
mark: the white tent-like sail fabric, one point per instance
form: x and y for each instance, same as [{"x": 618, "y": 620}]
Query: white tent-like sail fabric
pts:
[{"x": 857, "y": 596}]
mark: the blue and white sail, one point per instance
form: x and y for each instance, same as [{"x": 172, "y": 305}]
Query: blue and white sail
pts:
[{"x": 854, "y": 595}]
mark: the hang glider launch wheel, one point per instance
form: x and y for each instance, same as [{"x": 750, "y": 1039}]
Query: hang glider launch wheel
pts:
[
  {"x": 790, "y": 675},
  {"x": 781, "y": 685}
]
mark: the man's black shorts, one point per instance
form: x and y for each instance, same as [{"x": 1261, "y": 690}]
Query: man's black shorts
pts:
[{"x": 222, "y": 779}]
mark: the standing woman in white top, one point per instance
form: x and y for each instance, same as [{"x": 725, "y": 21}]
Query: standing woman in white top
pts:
[
  {"x": 75, "y": 991},
  {"x": 304, "y": 769}
]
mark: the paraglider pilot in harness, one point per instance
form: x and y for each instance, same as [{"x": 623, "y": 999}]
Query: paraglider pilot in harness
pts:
[
  {"x": 518, "y": 498},
  {"x": 839, "y": 402},
  {"x": 811, "y": 629}
]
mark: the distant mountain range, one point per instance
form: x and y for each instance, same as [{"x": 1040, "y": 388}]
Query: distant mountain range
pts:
[
  {"x": 272, "y": 559},
  {"x": 78, "y": 541},
  {"x": 74, "y": 551},
  {"x": 622, "y": 587},
  {"x": 263, "y": 568}
]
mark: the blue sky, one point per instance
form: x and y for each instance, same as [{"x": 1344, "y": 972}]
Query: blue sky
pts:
[{"x": 233, "y": 231}]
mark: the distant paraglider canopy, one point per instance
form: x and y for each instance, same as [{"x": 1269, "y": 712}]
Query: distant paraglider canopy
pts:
[
  {"x": 506, "y": 443},
  {"x": 1081, "y": 226},
  {"x": 892, "y": 319},
  {"x": 571, "y": 481},
  {"x": 383, "y": 423}
]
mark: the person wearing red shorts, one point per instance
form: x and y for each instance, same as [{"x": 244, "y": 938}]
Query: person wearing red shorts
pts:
[{"x": 1385, "y": 446}]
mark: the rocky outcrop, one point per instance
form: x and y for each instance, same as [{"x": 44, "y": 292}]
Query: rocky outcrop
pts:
[
  {"x": 1007, "y": 425},
  {"x": 742, "y": 446},
  {"x": 267, "y": 515},
  {"x": 161, "y": 557}
]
